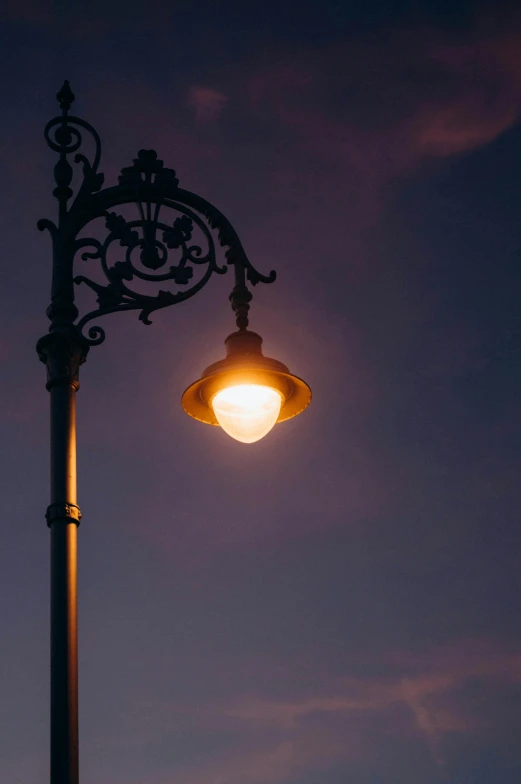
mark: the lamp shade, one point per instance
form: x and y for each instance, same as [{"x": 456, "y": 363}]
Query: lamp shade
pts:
[{"x": 246, "y": 393}]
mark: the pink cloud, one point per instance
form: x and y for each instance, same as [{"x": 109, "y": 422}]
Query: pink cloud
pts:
[
  {"x": 206, "y": 102},
  {"x": 382, "y": 106},
  {"x": 340, "y": 720},
  {"x": 30, "y": 11}
]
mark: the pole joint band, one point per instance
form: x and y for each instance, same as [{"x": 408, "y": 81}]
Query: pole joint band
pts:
[
  {"x": 69, "y": 512},
  {"x": 63, "y": 353}
]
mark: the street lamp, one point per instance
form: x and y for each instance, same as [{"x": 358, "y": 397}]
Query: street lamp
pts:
[{"x": 246, "y": 393}]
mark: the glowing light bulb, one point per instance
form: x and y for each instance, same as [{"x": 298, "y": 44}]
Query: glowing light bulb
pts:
[{"x": 247, "y": 412}]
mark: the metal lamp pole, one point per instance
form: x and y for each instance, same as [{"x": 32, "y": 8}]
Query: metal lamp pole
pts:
[{"x": 137, "y": 250}]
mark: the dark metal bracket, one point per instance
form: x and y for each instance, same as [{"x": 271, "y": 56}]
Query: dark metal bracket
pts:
[{"x": 171, "y": 237}]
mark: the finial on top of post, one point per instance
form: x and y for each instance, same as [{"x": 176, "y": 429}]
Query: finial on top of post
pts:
[{"x": 65, "y": 96}]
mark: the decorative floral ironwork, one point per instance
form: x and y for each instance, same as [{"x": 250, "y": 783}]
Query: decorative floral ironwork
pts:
[
  {"x": 146, "y": 258},
  {"x": 147, "y": 167},
  {"x": 169, "y": 239}
]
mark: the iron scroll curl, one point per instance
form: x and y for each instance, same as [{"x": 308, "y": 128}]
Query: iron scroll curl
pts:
[{"x": 170, "y": 239}]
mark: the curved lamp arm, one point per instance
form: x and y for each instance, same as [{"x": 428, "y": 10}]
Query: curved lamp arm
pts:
[{"x": 171, "y": 237}]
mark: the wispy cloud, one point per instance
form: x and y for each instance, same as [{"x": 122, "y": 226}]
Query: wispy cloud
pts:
[
  {"x": 206, "y": 102},
  {"x": 340, "y": 721},
  {"x": 383, "y": 105},
  {"x": 31, "y": 11}
]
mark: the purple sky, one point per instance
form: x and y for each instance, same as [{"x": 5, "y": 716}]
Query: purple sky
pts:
[{"x": 338, "y": 602}]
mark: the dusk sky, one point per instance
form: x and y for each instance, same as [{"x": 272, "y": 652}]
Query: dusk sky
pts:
[{"x": 338, "y": 603}]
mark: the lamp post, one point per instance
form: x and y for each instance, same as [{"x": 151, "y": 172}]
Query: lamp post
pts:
[{"x": 246, "y": 393}]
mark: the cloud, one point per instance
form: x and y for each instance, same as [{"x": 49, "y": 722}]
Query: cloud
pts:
[
  {"x": 206, "y": 102},
  {"x": 425, "y": 720},
  {"x": 341, "y": 720},
  {"x": 432, "y": 694},
  {"x": 30, "y": 11},
  {"x": 383, "y": 105}
]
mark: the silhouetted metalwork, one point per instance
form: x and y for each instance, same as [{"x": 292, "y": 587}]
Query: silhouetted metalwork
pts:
[
  {"x": 170, "y": 240},
  {"x": 156, "y": 247}
]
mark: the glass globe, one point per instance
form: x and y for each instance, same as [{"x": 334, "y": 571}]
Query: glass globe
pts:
[{"x": 247, "y": 412}]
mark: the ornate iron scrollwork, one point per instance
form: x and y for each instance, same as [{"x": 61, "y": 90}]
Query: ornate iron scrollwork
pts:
[{"x": 168, "y": 239}]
